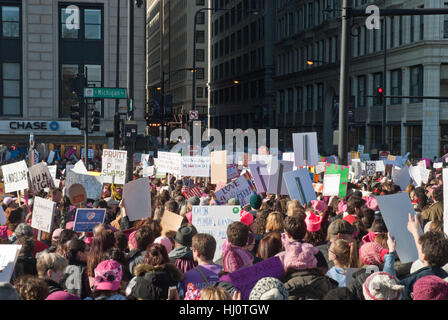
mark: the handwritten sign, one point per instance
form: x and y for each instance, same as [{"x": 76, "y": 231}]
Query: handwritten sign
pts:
[
  {"x": 195, "y": 166},
  {"x": 169, "y": 162},
  {"x": 8, "y": 258},
  {"x": 53, "y": 170},
  {"x": 114, "y": 166},
  {"x": 137, "y": 199},
  {"x": 242, "y": 189},
  {"x": 92, "y": 184},
  {"x": 370, "y": 168},
  {"x": 232, "y": 171},
  {"x": 87, "y": 219},
  {"x": 214, "y": 220},
  {"x": 43, "y": 211},
  {"x": 244, "y": 280},
  {"x": 40, "y": 177},
  {"x": 15, "y": 176}
]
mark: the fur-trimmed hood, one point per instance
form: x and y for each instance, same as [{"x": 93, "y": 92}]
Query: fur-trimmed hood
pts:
[{"x": 170, "y": 268}]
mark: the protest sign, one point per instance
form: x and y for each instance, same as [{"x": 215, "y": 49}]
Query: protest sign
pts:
[
  {"x": 77, "y": 194},
  {"x": 214, "y": 220},
  {"x": 148, "y": 171},
  {"x": 422, "y": 164},
  {"x": 343, "y": 171},
  {"x": 137, "y": 199},
  {"x": 218, "y": 166},
  {"x": 8, "y": 258},
  {"x": 276, "y": 183},
  {"x": 333, "y": 159},
  {"x": 87, "y": 219},
  {"x": 114, "y": 166},
  {"x": 92, "y": 184},
  {"x": 43, "y": 211},
  {"x": 305, "y": 149},
  {"x": 51, "y": 157},
  {"x": 169, "y": 162},
  {"x": 232, "y": 171},
  {"x": 438, "y": 165},
  {"x": 2, "y": 216},
  {"x": 419, "y": 175},
  {"x": 40, "y": 177},
  {"x": 52, "y": 170},
  {"x": 352, "y": 155},
  {"x": 318, "y": 187},
  {"x": 244, "y": 280},
  {"x": 170, "y": 222},
  {"x": 269, "y": 160},
  {"x": 395, "y": 210},
  {"x": 289, "y": 156},
  {"x": 15, "y": 176},
  {"x": 195, "y": 166},
  {"x": 356, "y": 168},
  {"x": 401, "y": 177},
  {"x": 320, "y": 167},
  {"x": 242, "y": 189},
  {"x": 445, "y": 200},
  {"x": 331, "y": 185},
  {"x": 261, "y": 180},
  {"x": 370, "y": 168},
  {"x": 80, "y": 168},
  {"x": 300, "y": 186}
]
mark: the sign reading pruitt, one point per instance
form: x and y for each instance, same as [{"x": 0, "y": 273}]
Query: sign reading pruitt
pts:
[{"x": 114, "y": 166}]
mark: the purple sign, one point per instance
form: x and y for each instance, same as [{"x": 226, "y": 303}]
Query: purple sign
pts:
[{"x": 245, "y": 279}]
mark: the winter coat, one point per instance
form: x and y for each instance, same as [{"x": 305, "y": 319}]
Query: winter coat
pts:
[
  {"x": 433, "y": 213},
  {"x": 409, "y": 281},
  {"x": 355, "y": 287},
  {"x": 135, "y": 258},
  {"x": 24, "y": 266},
  {"x": 308, "y": 284},
  {"x": 182, "y": 257},
  {"x": 53, "y": 286},
  {"x": 153, "y": 282}
]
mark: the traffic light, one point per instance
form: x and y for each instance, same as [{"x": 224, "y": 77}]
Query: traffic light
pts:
[
  {"x": 77, "y": 84},
  {"x": 379, "y": 95},
  {"x": 95, "y": 120},
  {"x": 75, "y": 116}
]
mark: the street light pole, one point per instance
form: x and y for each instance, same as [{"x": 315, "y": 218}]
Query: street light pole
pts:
[
  {"x": 383, "y": 140},
  {"x": 117, "y": 81},
  {"x": 130, "y": 86}
]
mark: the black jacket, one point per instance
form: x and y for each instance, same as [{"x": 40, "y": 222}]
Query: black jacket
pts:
[
  {"x": 308, "y": 284},
  {"x": 410, "y": 280},
  {"x": 53, "y": 286}
]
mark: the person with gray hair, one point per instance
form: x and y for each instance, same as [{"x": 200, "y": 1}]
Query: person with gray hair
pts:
[
  {"x": 24, "y": 230},
  {"x": 8, "y": 292}
]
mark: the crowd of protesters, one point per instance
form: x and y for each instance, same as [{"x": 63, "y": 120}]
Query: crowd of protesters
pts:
[{"x": 317, "y": 243}]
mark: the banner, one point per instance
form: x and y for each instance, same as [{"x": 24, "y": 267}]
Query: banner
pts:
[
  {"x": 43, "y": 211},
  {"x": 242, "y": 189},
  {"x": 114, "y": 166},
  {"x": 92, "y": 184},
  {"x": 214, "y": 220},
  {"x": 87, "y": 219},
  {"x": 40, "y": 177},
  {"x": 343, "y": 171},
  {"x": 300, "y": 186},
  {"x": 169, "y": 162},
  {"x": 195, "y": 166},
  {"x": 15, "y": 176},
  {"x": 137, "y": 199}
]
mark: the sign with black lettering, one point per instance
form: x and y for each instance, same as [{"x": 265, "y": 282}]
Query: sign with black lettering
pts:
[
  {"x": 114, "y": 166},
  {"x": 40, "y": 177},
  {"x": 15, "y": 176}
]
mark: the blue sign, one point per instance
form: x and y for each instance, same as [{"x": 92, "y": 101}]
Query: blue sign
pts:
[{"x": 87, "y": 219}]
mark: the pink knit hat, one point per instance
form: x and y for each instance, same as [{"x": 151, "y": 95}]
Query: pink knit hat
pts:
[
  {"x": 62, "y": 295},
  {"x": 300, "y": 256},
  {"x": 166, "y": 242},
  {"x": 246, "y": 217},
  {"x": 235, "y": 258},
  {"x": 372, "y": 204},
  {"x": 313, "y": 222},
  {"x": 372, "y": 253},
  {"x": 382, "y": 286},
  {"x": 370, "y": 237},
  {"x": 70, "y": 225},
  {"x": 342, "y": 206},
  {"x": 431, "y": 288},
  {"x": 319, "y": 206},
  {"x": 131, "y": 239}
]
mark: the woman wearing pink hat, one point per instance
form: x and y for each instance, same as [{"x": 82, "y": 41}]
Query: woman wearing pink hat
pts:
[{"x": 314, "y": 233}]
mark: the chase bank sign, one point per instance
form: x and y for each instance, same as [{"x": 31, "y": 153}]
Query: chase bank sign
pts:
[
  {"x": 23, "y": 125},
  {"x": 40, "y": 127}
]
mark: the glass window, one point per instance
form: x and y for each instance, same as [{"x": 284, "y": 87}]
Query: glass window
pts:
[
  {"x": 299, "y": 99},
  {"x": 361, "y": 91},
  {"x": 396, "y": 86},
  {"x": 200, "y": 54},
  {"x": 309, "y": 98},
  {"x": 416, "y": 83},
  {"x": 92, "y": 23},
  {"x": 11, "y": 88},
  {"x": 201, "y": 18},
  {"x": 320, "y": 96},
  {"x": 11, "y": 21},
  {"x": 68, "y": 71},
  {"x": 66, "y": 32}
]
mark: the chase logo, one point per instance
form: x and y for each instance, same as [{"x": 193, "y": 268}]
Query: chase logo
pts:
[{"x": 54, "y": 126}]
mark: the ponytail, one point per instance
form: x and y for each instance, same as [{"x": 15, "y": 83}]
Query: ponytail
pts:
[{"x": 354, "y": 257}]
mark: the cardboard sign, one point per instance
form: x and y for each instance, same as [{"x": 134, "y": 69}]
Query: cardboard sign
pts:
[
  {"x": 77, "y": 194},
  {"x": 331, "y": 185},
  {"x": 261, "y": 180},
  {"x": 8, "y": 258},
  {"x": 343, "y": 171},
  {"x": 15, "y": 176},
  {"x": 137, "y": 198},
  {"x": 305, "y": 149},
  {"x": 195, "y": 166},
  {"x": 395, "y": 210},
  {"x": 276, "y": 183},
  {"x": 87, "y": 219},
  {"x": 242, "y": 189},
  {"x": 114, "y": 166},
  {"x": 214, "y": 221},
  {"x": 244, "y": 280},
  {"x": 40, "y": 177},
  {"x": 445, "y": 200},
  {"x": 370, "y": 168},
  {"x": 401, "y": 177},
  {"x": 300, "y": 186},
  {"x": 43, "y": 211},
  {"x": 218, "y": 166},
  {"x": 92, "y": 184},
  {"x": 170, "y": 222}
]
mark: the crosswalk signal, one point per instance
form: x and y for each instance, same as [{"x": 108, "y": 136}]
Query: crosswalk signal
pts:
[
  {"x": 379, "y": 95},
  {"x": 95, "y": 121},
  {"x": 75, "y": 116}
]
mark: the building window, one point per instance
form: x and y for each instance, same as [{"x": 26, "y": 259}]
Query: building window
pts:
[
  {"x": 299, "y": 99},
  {"x": 361, "y": 91},
  {"x": 445, "y": 23},
  {"x": 91, "y": 28},
  {"x": 392, "y": 32},
  {"x": 396, "y": 86},
  {"x": 416, "y": 84},
  {"x": 309, "y": 98},
  {"x": 290, "y": 106},
  {"x": 412, "y": 28},
  {"x": 282, "y": 102},
  {"x": 200, "y": 18},
  {"x": 200, "y": 36},
  {"x": 400, "y": 31},
  {"x": 200, "y": 2},
  {"x": 200, "y": 55},
  {"x": 200, "y": 73},
  {"x": 10, "y": 89},
  {"x": 320, "y": 96},
  {"x": 199, "y": 92},
  {"x": 10, "y": 21}
]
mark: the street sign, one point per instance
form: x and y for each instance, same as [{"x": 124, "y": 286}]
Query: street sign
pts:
[
  {"x": 105, "y": 93},
  {"x": 194, "y": 115}
]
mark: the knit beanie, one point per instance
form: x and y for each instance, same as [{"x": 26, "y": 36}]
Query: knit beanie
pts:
[
  {"x": 255, "y": 201},
  {"x": 372, "y": 253},
  {"x": 431, "y": 288},
  {"x": 235, "y": 258},
  {"x": 382, "y": 286},
  {"x": 246, "y": 217},
  {"x": 269, "y": 289},
  {"x": 299, "y": 256},
  {"x": 313, "y": 222},
  {"x": 319, "y": 205}
]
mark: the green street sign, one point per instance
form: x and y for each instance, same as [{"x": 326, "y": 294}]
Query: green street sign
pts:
[{"x": 105, "y": 93}]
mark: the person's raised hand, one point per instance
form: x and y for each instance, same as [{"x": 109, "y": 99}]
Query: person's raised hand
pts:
[
  {"x": 391, "y": 243},
  {"x": 412, "y": 225}
]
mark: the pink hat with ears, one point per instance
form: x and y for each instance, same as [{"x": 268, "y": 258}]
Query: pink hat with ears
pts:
[
  {"x": 372, "y": 204},
  {"x": 131, "y": 239},
  {"x": 246, "y": 217},
  {"x": 342, "y": 206},
  {"x": 313, "y": 222},
  {"x": 319, "y": 206},
  {"x": 165, "y": 242}
]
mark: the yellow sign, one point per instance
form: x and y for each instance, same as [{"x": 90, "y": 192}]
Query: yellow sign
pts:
[{"x": 93, "y": 173}]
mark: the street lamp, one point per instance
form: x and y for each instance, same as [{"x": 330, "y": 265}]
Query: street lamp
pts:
[{"x": 312, "y": 62}]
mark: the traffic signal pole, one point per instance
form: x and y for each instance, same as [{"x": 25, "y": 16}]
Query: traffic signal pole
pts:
[{"x": 86, "y": 133}]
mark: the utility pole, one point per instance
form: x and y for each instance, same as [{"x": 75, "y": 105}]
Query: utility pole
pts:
[
  {"x": 86, "y": 122},
  {"x": 384, "y": 31},
  {"x": 117, "y": 83},
  {"x": 130, "y": 86}
]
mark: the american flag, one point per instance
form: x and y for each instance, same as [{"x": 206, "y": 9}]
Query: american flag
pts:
[{"x": 189, "y": 189}]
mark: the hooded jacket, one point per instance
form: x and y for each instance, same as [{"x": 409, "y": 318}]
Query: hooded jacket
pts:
[
  {"x": 153, "y": 282},
  {"x": 182, "y": 257},
  {"x": 308, "y": 284}
]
